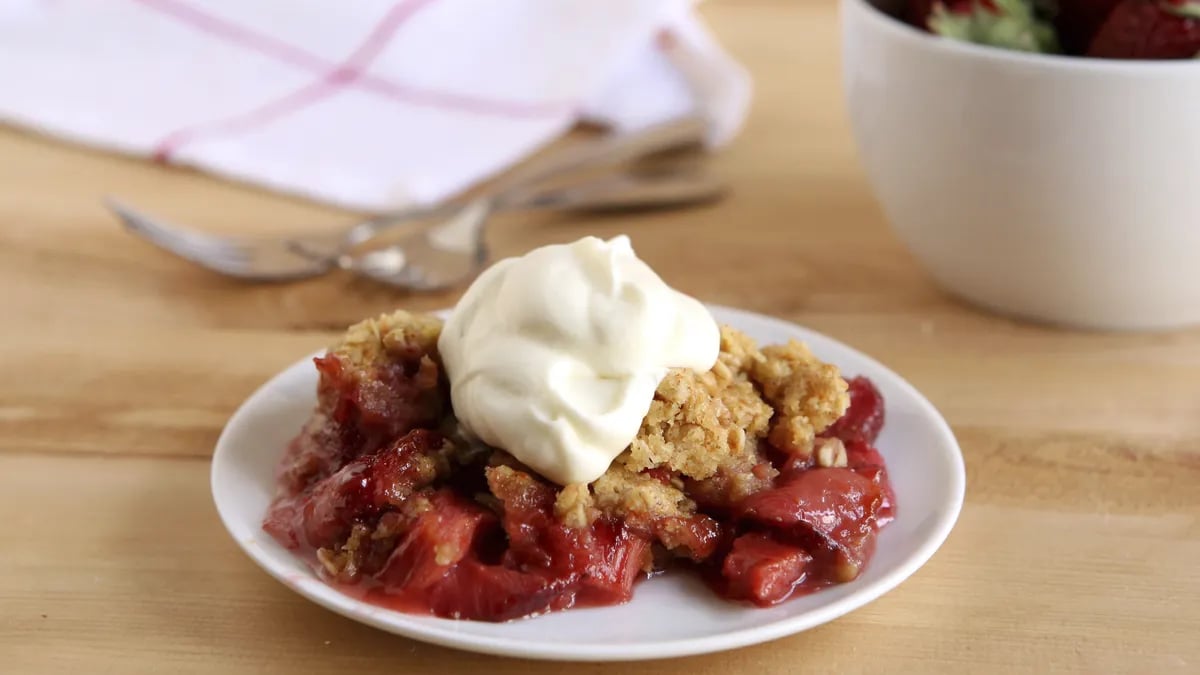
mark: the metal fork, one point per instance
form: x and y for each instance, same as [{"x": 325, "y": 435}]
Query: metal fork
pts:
[
  {"x": 296, "y": 257},
  {"x": 450, "y": 251},
  {"x": 251, "y": 258}
]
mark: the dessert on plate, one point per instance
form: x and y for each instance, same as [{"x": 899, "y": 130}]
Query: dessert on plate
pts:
[{"x": 574, "y": 426}]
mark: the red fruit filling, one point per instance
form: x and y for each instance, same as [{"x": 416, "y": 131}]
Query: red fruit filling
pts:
[
  {"x": 830, "y": 512},
  {"x": 762, "y": 570},
  {"x": 864, "y": 419},
  {"x": 384, "y": 506}
]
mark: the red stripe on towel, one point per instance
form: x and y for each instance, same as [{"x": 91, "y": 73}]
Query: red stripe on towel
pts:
[
  {"x": 328, "y": 84},
  {"x": 270, "y": 46}
]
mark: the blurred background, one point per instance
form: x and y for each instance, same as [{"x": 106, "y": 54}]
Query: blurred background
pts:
[{"x": 767, "y": 158}]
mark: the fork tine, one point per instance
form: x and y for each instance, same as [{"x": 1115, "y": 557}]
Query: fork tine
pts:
[
  {"x": 199, "y": 248},
  {"x": 252, "y": 258}
]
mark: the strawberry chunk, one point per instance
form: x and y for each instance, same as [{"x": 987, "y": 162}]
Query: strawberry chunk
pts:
[
  {"x": 830, "y": 511},
  {"x": 762, "y": 570}
]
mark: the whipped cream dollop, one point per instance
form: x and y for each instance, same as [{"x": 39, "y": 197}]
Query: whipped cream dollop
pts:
[{"x": 554, "y": 356}]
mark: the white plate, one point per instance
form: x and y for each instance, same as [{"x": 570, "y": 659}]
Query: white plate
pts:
[{"x": 672, "y": 615}]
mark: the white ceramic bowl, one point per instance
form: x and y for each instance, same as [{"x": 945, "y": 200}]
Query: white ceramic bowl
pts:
[
  {"x": 1056, "y": 188},
  {"x": 671, "y": 615}
]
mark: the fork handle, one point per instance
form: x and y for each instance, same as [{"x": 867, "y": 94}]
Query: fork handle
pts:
[
  {"x": 620, "y": 191},
  {"x": 610, "y": 150}
]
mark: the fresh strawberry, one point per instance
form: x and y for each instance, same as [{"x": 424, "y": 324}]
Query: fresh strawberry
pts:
[
  {"x": 1078, "y": 20},
  {"x": 1012, "y": 24},
  {"x": 1149, "y": 29}
]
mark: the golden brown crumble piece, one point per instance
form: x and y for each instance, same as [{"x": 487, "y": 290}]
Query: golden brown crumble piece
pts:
[
  {"x": 733, "y": 482},
  {"x": 807, "y": 394},
  {"x": 575, "y": 506},
  {"x": 399, "y": 334},
  {"x": 622, "y": 492},
  {"x": 345, "y": 562},
  {"x": 706, "y": 427},
  {"x": 426, "y": 469},
  {"x": 688, "y": 428},
  {"x": 398, "y": 339},
  {"x": 507, "y": 483},
  {"x": 700, "y": 422},
  {"x": 344, "y": 559},
  {"x": 365, "y": 550},
  {"x": 738, "y": 350},
  {"x": 409, "y": 511}
]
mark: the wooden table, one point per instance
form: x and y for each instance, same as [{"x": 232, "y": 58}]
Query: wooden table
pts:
[{"x": 1076, "y": 551}]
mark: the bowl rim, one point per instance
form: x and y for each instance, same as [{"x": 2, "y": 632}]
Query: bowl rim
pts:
[{"x": 915, "y": 37}]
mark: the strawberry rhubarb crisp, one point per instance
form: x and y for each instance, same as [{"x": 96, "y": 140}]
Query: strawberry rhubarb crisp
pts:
[{"x": 758, "y": 473}]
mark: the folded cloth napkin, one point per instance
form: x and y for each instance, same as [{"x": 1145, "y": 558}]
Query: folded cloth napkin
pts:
[{"x": 371, "y": 104}]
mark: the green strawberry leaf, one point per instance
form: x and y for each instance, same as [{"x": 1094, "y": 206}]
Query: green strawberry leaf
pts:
[
  {"x": 1184, "y": 8},
  {"x": 1013, "y": 24}
]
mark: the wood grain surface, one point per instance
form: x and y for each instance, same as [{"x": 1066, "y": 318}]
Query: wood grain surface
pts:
[{"x": 1076, "y": 551}]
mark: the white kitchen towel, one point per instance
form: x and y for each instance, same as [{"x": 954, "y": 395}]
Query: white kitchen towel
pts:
[{"x": 370, "y": 104}]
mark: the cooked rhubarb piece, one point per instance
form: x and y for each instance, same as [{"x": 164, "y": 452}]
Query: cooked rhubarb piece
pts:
[
  {"x": 864, "y": 419},
  {"x": 324, "y": 515},
  {"x": 831, "y": 510},
  {"x": 762, "y": 570}
]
